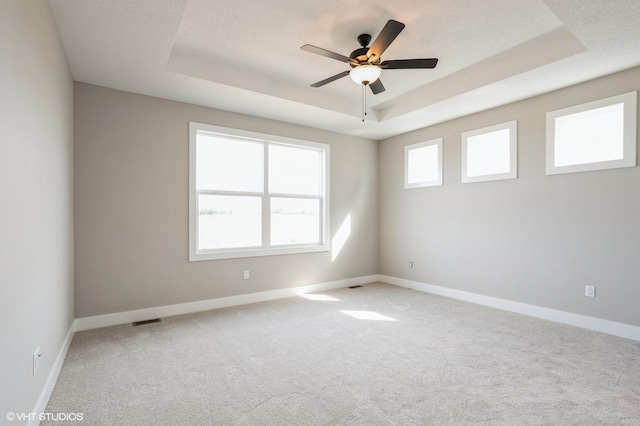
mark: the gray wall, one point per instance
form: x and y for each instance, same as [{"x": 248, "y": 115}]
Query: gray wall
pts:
[
  {"x": 131, "y": 207},
  {"x": 537, "y": 239},
  {"x": 36, "y": 189}
]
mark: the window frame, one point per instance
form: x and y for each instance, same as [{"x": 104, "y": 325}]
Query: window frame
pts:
[
  {"x": 423, "y": 184},
  {"x": 196, "y": 254},
  {"x": 512, "y": 126},
  {"x": 629, "y": 101}
]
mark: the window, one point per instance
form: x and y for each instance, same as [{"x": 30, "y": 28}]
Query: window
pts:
[
  {"x": 252, "y": 194},
  {"x": 490, "y": 153},
  {"x": 423, "y": 164},
  {"x": 593, "y": 136}
]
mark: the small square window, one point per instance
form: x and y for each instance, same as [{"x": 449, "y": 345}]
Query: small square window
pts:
[
  {"x": 490, "y": 153},
  {"x": 423, "y": 164},
  {"x": 593, "y": 136}
]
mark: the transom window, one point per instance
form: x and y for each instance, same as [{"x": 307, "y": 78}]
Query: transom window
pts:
[
  {"x": 423, "y": 164},
  {"x": 254, "y": 194},
  {"x": 593, "y": 136},
  {"x": 490, "y": 153}
]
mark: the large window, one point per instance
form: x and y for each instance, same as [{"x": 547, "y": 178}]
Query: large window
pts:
[
  {"x": 253, "y": 194},
  {"x": 593, "y": 136}
]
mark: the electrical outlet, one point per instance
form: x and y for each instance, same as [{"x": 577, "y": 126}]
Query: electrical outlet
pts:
[
  {"x": 590, "y": 291},
  {"x": 410, "y": 264},
  {"x": 37, "y": 356},
  {"x": 246, "y": 275}
]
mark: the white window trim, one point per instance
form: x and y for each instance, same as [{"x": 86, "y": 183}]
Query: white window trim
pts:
[
  {"x": 197, "y": 255},
  {"x": 629, "y": 144},
  {"x": 438, "y": 181},
  {"x": 512, "y": 126}
]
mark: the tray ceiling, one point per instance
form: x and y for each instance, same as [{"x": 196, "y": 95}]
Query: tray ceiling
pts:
[{"x": 244, "y": 56}]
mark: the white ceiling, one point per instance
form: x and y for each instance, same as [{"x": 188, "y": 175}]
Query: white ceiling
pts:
[{"x": 244, "y": 55}]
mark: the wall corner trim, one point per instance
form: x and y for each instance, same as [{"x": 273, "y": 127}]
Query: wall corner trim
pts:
[
  {"x": 590, "y": 323},
  {"x": 107, "y": 320}
]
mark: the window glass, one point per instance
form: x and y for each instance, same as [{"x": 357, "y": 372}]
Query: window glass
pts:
[
  {"x": 229, "y": 221},
  {"x": 294, "y": 170},
  {"x": 488, "y": 153},
  {"x": 423, "y": 164},
  {"x": 294, "y": 221},
  {"x": 590, "y": 136},
  {"x": 229, "y": 164}
]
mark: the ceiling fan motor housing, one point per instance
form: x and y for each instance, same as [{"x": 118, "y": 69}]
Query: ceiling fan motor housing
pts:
[
  {"x": 364, "y": 39},
  {"x": 360, "y": 54}
]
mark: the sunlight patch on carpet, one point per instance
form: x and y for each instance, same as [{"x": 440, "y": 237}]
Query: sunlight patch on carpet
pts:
[
  {"x": 368, "y": 315},
  {"x": 320, "y": 297}
]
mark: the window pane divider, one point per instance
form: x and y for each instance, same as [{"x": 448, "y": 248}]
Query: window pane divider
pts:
[
  {"x": 229, "y": 193},
  {"x": 266, "y": 201},
  {"x": 298, "y": 196}
]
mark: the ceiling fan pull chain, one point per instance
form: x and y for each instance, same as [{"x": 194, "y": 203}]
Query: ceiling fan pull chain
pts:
[{"x": 364, "y": 101}]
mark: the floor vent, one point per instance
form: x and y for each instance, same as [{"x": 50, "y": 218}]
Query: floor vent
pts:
[
  {"x": 151, "y": 321},
  {"x": 355, "y": 286}
]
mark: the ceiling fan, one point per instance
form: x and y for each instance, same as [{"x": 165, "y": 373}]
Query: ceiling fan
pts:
[{"x": 366, "y": 64}]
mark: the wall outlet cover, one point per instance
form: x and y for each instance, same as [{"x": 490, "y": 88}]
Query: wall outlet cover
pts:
[
  {"x": 590, "y": 291},
  {"x": 37, "y": 356}
]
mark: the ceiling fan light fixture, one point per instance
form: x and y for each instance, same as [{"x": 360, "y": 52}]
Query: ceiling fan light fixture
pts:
[{"x": 365, "y": 74}]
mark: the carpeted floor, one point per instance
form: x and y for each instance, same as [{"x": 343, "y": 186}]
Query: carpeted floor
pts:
[{"x": 397, "y": 357}]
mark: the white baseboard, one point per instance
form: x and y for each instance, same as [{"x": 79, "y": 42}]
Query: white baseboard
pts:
[
  {"x": 47, "y": 390},
  {"x": 582, "y": 321},
  {"x": 106, "y": 320}
]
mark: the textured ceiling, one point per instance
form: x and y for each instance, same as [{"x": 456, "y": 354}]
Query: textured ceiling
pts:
[{"x": 245, "y": 56}]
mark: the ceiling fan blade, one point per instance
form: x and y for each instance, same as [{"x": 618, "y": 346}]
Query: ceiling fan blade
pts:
[
  {"x": 330, "y": 79},
  {"x": 402, "y": 64},
  {"x": 387, "y": 35},
  {"x": 377, "y": 87},
  {"x": 327, "y": 53}
]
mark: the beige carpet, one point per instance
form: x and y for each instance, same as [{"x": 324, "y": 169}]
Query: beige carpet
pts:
[{"x": 415, "y": 359}]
